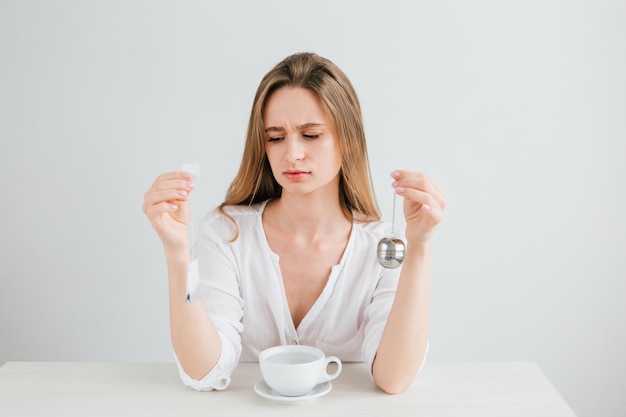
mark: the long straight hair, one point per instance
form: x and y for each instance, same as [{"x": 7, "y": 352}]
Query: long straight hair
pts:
[{"x": 255, "y": 182}]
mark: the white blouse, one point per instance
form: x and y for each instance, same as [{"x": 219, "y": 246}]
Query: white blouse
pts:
[{"x": 242, "y": 288}]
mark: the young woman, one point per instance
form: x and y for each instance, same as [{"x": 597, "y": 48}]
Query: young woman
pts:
[{"x": 290, "y": 256}]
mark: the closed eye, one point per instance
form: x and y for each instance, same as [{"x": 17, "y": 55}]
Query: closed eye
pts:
[
  {"x": 311, "y": 136},
  {"x": 275, "y": 139}
]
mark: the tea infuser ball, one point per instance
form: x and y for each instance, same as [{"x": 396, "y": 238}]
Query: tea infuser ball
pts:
[{"x": 390, "y": 251}]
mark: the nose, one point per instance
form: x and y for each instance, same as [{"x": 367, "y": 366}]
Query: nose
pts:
[{"x": 295, "y": 149}]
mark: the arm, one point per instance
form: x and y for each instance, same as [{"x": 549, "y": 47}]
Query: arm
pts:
[
  {"x": 194, "y": 337},
  {"x": 404, "y": 340},
  {"x": 403, "y": 344}
]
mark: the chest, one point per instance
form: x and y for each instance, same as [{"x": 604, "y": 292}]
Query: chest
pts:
[{"x": 305, "y": 269}]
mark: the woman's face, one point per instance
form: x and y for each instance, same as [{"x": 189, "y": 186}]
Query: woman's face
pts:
[{"x": 300, "y": 143}]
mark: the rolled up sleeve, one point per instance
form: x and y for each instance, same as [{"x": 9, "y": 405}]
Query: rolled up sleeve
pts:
[
  {"x": 219, "y": 377},
  {"x": 377, "y": 312}
]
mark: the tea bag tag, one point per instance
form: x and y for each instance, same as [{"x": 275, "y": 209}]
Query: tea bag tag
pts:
[
  {"x": 194, "y": 170},
  {"x": 193, "y": 275}
]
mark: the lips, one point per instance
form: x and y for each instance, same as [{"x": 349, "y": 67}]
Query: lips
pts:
[{"x": 295, "y": 174}]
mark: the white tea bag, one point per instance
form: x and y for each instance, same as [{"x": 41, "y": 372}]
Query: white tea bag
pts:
[{"x": 193, "y": 276}]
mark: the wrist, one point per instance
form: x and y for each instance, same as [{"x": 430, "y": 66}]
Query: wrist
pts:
[
  {"x": 419, "y": 245},
  {"x": 177, "y": 255}
]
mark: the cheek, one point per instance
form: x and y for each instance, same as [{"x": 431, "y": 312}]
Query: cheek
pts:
[
  {"x": 338, "y": 156},
  {"x": 271, "y": 156},
  {"x": 274, "y": 160},
  {"x": 331, "y": 150}
]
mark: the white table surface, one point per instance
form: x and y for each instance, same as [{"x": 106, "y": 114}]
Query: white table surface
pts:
[{"x": 481, "y": 389}]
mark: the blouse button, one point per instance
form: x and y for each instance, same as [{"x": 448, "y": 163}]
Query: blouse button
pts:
[{"x": 294, "y": 342}]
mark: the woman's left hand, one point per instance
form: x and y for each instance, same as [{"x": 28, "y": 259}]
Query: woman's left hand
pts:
[{"x": 424, "y": 202}]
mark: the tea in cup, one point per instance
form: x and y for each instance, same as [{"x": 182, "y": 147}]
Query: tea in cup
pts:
[{"x": 293, "y": 371}]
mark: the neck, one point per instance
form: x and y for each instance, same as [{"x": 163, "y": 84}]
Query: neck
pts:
[{"x": 307, "y": 215}]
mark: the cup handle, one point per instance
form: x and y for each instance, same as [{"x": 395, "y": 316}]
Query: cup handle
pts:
[{"x": 330, "y": 377}]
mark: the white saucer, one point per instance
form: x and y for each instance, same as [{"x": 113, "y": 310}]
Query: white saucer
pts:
[{"x": 265, "y": 391}]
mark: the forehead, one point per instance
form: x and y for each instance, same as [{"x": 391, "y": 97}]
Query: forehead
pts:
[{"x": 293, "y": 106}]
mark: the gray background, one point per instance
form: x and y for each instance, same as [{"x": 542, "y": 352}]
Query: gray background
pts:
[{"x": 516, "y": 107}]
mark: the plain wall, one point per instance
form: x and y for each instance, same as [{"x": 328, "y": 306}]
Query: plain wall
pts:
[{"x": 517, "y": 107}]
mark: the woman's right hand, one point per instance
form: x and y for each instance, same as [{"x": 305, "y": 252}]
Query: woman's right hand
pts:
[{"x": 166, "y": 204}]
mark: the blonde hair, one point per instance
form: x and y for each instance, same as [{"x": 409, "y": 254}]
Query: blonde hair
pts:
[{"x": 255, "y": 182}]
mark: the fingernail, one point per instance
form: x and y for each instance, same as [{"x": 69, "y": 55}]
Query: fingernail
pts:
[
  {"x": 395, "y": 174},
  {"x": 182, "y": 193},
  {"x": 399, "y": 190},
  {"x": 173, "y": 207},
  {"x": 426, "y": 207},
  {"x": 191, "y": 185},
  {"x": 187, "y": 175}
]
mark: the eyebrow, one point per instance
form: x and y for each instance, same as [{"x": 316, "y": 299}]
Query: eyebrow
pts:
[{"x": 301, "y": 127}]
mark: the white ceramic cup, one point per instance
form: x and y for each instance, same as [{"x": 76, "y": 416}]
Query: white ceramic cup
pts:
[{"x": 295, "y": 370}]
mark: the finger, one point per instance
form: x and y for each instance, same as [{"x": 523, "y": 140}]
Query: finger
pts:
[
  {"x": 172, "y": 180},
  {"x": 418, "y": 196},
  {"x": 155, "y": 212},
  {"x": 179, "y": 184},
  {"x": 403, "y": 173},
  {"x": 169, "y": 186},
  {"x": 414, "y": 180},
  {"x": 418, "y": 183},
  {"x": 152, "y": 198},
  {"x": 180, "y": 175},
  {"x": 429, "y": 205},
  {"x": 422, "y": 183}
]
